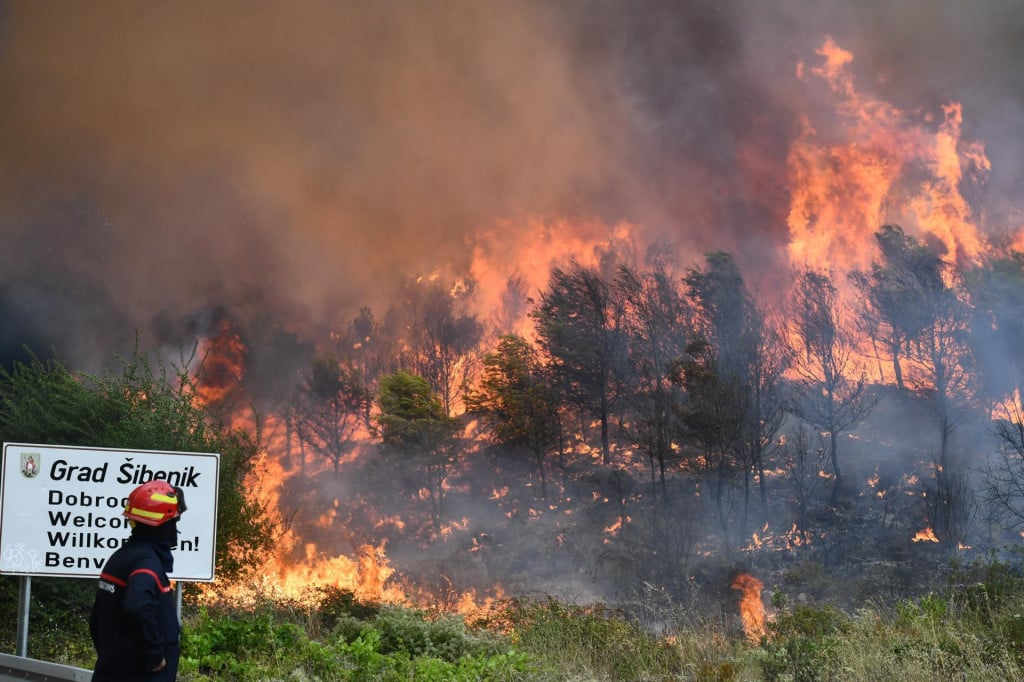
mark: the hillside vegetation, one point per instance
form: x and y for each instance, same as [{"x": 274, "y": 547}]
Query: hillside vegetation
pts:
[{"x": 972, "y": 629}]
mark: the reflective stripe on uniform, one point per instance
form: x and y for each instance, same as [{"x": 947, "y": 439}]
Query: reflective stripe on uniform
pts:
[
  {"x": 112, "y": 579},
  {"x": 151, "y": 572}
]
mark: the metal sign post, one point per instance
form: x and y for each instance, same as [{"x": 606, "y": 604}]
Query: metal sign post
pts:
[{"x": 24, "y": 597}]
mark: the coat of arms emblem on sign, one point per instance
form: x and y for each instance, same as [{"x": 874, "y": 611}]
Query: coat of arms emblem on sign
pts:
[{"x": 29, "y": 464}]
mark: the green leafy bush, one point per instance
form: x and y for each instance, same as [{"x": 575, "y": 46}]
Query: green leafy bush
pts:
[
  {"x": 334, "y": 603},
  {"x": 395, "y": 644},
  {"x": 256, "y": 648},
  {"x": 445, "y": 637},
  {"x": 593, "y": 641},
  {"x": 988, "y": 596},
  {"x": 58, "y": 625},
  {"x": 800, "y": 643}
]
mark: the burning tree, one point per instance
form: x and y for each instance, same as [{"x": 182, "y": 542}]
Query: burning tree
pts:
[
  {"x": 828, "y": 398},
  {"x": 327, "y": 409},
  {"x": 924, "y": 302},
  {"x": 517, "y": 404},
  {"x": 803, "y": 458},
  {"x": 656, "y": 328},
  {"x": 947, "y": 385},
  {"x": 748, "y": 353},
  {"x": 413, "y": 422},
  {"x": 368, "y": 347},
  {"x": 766, "y": 408},
  {"x": 711, "y": 420},
  {"x": 726, "y": 314},
  {"x": 1005, "y": 475},
  {"x": 997, "y": 293},
  {"x": 894, "y": 309},
  {"x": 996, "y": 289},
  {"x": 579, "y": 330},
  {"x": 442, "y": 336}
]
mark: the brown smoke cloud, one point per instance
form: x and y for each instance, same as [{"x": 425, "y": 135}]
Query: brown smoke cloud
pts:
[{"x": 292, "y": 159}]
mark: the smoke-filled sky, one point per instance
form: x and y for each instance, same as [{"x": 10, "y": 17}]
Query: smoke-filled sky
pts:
[{"x": 288, "y": 161}]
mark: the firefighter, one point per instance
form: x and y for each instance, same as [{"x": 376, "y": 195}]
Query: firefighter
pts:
[{"x": 134, "y": 621}]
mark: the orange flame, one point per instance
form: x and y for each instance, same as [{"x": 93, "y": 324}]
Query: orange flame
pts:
[
  {"x": 926, "y": 535},
  {"x": 223, "y": 364},
  {"x": 529, "y": 250},
  {"x": 878, "y": 164},
  {"x": 368, "y": 574},
  {"x": 752, "y": 610},
  {"x": 781, "y": 541}
]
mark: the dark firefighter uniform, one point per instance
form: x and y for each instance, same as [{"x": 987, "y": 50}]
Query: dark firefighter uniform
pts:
[
  {"x": 134, "y": 623},
  {"x": 134, "y": 620}
]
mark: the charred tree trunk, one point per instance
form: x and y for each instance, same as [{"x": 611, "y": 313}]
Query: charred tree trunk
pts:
[
  {"x": 661, "y": 473},
  {"x": 897, "y": 368},
  {"x": 761, "y": 480},
  {"x": 746, "y": 500},
  {"x": 538, "y": 458},
  {"x": 606, "y": 450},
  {"x": 833, "y": 454},
  {"x": 723, "y": 520}
]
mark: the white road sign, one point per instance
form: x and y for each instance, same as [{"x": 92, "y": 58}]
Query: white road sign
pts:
[{"x": 60, "y": 507}]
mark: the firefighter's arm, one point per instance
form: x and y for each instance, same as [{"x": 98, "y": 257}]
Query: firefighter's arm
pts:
[{"x": 141, "y": 601}]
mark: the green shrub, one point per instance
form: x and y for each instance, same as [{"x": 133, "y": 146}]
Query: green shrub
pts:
[
  {"x": 445, "y": 637},
  {"x": 972, "y": 631},
  {"x": 227, "y": 647},
  {"x": 988, "y": 598},
  {"x": 334, "y": 604},
  {"x": 396, "y": 644},
  {"x": 363, "y": 661},
  {"x": 593, "y": 641},
  {"x": 58, "y": 626},
  {"x": 800, "y": 643},
  {"x": 927, "y": 611}
]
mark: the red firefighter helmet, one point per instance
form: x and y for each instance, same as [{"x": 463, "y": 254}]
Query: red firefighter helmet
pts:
[{"x": 154, "y": 503}]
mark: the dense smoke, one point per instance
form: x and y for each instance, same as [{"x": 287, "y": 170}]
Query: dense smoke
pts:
[
  {"x": 287, "y": 162},
  {"x": 252, "y": 174}
]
